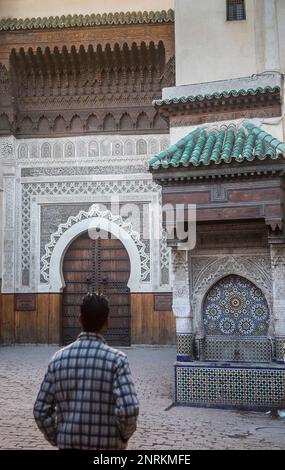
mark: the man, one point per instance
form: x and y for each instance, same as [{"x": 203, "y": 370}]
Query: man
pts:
[{"x": 87, "y": 399}]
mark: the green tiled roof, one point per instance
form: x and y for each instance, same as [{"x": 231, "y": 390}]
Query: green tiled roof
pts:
[
  {"x": 71, "y": 21},
  {"x": 223, "y": 94},
  {"x": 207, "y": 145}
]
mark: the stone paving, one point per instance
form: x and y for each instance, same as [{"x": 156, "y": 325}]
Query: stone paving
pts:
[{"x": 160, "y": 426}]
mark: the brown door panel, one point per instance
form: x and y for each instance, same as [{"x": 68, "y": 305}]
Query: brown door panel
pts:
[{"x": 91, "y": 266}]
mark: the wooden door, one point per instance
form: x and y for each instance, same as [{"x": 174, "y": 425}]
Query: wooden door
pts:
[{"x": 100, "y": 265}]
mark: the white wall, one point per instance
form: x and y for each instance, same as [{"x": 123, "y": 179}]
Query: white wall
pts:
[
  {"x": 280, "y": 5},
  {"x": 34, "y": 8},
  {"x": 210, "y": 48}
]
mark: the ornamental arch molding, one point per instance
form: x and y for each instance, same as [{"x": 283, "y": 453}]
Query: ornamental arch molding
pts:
[
  {"x": 215, "y": 270},
  {"x": 55, "y": 250}
]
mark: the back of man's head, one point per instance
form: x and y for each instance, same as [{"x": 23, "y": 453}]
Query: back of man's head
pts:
[{"x": 94, "y": 312}]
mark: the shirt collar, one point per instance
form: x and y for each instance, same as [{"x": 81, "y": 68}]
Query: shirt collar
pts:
[{"x": 91, "y": 335}]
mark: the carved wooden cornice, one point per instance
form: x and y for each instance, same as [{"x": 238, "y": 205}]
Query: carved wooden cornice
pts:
[
  {"x": 94, "y": 89},
  {"x": 79, "y": 21},
  {"x": 168, "y": 76},
  {"x": 91, "y": 63},
  {"x": 188, "y": 108},
  {"x": 223, "y": 172}
]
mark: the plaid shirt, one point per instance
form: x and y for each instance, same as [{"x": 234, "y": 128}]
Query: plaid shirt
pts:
[{"x": 87, "y": 399}]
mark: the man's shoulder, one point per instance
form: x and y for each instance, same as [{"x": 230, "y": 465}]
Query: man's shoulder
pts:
[
  {"x": 102, "y": 349},
  {"x": 116, "y": 353},
  {"x": 62, "y": 352},
  {"x": 113, "y": 354}
]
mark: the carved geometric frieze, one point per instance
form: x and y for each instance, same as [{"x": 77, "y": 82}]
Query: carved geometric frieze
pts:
[
  {"x": 86, "y": 147},
  {"x": 164, "y": 258},
  {"x": 9, "y": 202},
  {"x": 181, "y": 299},
  {"x": 277, "y": 253},
  {"x": 277, "y": 256},
  {"x": 46, "y": 150},
  {"x": 82, "y": 170},
  {"x": 207, "y": 269},
  {"x": 8, "y": 233},
  {"x": 73, "y": 188},
  {"x": 8, "y": 266},
  {"x": 7, "y": 151}
]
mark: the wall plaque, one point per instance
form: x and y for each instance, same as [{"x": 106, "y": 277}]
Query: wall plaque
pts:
[
  {"x": 25, "y": 302},
  {"x": 163, "y": 302}
]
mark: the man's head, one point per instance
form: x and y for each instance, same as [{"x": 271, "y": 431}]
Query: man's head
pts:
[{"x": 94, "y": 312}]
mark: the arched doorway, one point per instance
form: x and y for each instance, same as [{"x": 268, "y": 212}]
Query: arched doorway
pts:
[
  {"x": 236, "y": 321},
  {"x": 92, "y": 265}
]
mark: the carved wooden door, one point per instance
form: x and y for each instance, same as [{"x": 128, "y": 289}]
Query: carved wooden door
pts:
[{"x": 100, "y": 265}]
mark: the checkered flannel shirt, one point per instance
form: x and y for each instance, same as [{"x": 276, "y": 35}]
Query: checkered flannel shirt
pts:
[{"x": 87, "y": 399}]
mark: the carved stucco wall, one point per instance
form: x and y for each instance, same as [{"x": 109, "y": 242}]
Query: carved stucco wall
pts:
[
  {"x": 90, "y": 147},
  {"x": 48, "y": 181},
  {"x": 278, "y": 275}
]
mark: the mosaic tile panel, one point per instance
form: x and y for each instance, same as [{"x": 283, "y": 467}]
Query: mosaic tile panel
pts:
[
  {"x": 280, "y": 349},
  {"x": 184, "y": 345},
  {"x": 235, "y": 306},
  {"x": 236, "y": 387},
  {"x": 253, "y": 350}
]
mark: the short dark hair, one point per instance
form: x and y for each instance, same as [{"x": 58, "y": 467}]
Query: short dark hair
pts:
[{"x": 94, "y": 311}]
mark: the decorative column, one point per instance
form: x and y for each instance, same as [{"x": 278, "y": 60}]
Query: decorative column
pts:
[
  {"x": 181, "y": 305},
  {"x": 278, "y": 287},
  {"x": 9, "y": 181}
]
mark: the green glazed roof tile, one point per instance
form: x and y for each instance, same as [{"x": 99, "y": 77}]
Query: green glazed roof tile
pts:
[
  {"x": 71, "y": 21},
  {"x": 205, "y": 146},
  {"x": 223, "y": 94}
]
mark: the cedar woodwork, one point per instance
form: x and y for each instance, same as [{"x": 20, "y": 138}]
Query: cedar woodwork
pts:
[
  {"x": 149, "y": 326},
  {"x": 86, "y": 89},
  {"x": 44, "y": 326},
  {"x": 85, "y": 36},
  {"x": 251, "y": 192},
  {"x": 40, "y": 326},
  {"x": 100, "y": 265}
]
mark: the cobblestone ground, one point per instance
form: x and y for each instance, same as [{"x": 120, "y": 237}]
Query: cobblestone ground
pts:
[{"x": 159, "y": 427}]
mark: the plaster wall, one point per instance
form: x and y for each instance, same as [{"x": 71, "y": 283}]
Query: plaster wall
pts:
[
  {"x": 210, "y": 48},
  {"x": 30, "y": 8}
]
